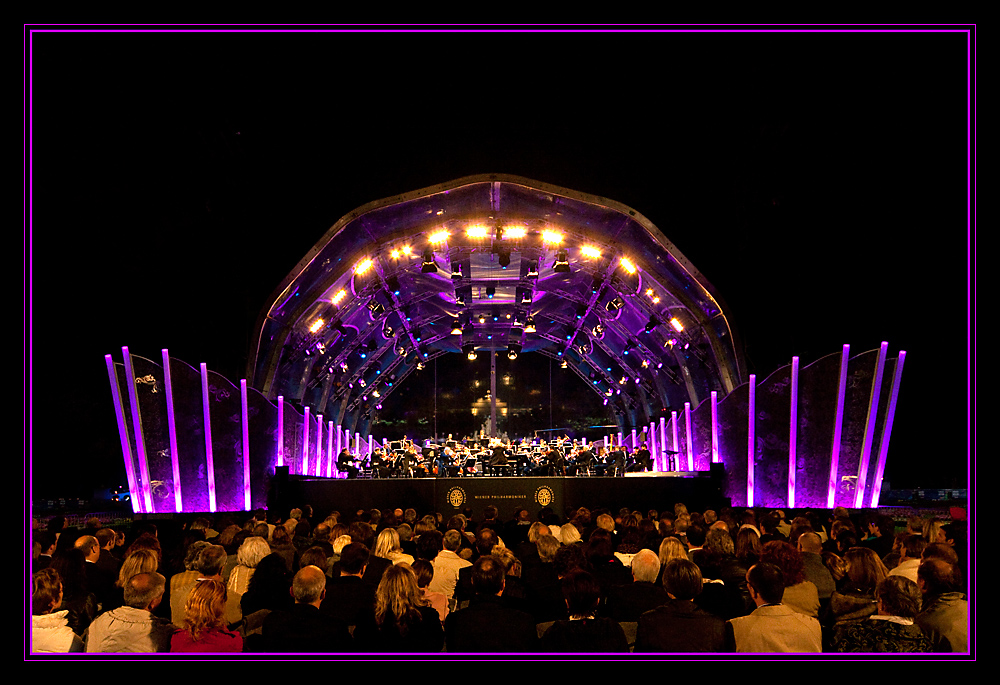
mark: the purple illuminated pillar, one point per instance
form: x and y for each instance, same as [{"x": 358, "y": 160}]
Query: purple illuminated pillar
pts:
[
  {"x": 281, "y": 430},
  {"x": 175, "y": 467},
  {"x": 751, "y": 438},
  {"x": 663, "y": 444},
  {"x": 371, "y": 446},
  {"x": 209, "y": 458},
  {"x": 866, "y": 448},
  {"x": 357, "y": 443},
  {"x": 340, "y": 443},
  {"x": 305, "y": 443},
  {"x": 838, "y": 421},
  {"x": 246, "y": 445},
  {"x": 621, "y": 439},
  {"x": 140, "y": 443},
  {"x": 652, "y": 442},
  {"x": 633, "y": 440},
  {"x": 690, "y": 440},
  {"x": 793, "y": 425},
  {"x": 123, "y": 432},
  {"x": 715, "y": 427},
  {"x": 883, "y": 448}
]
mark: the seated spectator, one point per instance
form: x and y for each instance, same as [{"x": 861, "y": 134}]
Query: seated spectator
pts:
[
  {"x": 209, "y": 564},
  {"x": 270, "y": 586},
  {"x": 303, "y": 628},
  {"x": 486, "y": 625},
  {"x": 892, "y": 628},
  {"x": 800, "y": 594},
  {"x": 78, "y": 599},
  {"x": 50, "y": 631},
  {"x": 250, "y": 553},
  {"x": 204, "y": 621},
  {"x": 387, "y": 546},
  {"x": 424, "y": 572},
  {"x": 404, "y": 620},
  {"x": 855, "y": 600},
  {"x": 944, "y": 615},
  {"x": 585, "y": 631},
  {"x": 679, "y": 625},
  {"x": 772, "y": 627},
  {"x": 133, "y": 627},
  {"x": 629, "y": 601}
]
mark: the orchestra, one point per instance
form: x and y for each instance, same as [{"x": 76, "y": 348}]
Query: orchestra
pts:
[{"x": 475, "y": 456}]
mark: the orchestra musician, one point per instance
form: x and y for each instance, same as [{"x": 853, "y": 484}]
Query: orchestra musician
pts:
[{"x": 345, "y": 464}]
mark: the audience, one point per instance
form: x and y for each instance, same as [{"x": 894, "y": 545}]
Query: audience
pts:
[{"x": 528, "y": 590}]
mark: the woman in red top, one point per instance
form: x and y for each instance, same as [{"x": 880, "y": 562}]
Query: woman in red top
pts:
[{"x": 204, "y": 626}]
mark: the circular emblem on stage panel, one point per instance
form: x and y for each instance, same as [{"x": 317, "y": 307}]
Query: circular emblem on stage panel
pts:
[
  {"x": 544, "y": 495},
  {"x": 456, "y": 496}
]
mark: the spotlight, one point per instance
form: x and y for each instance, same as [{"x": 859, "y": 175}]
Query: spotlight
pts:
[
  {"x": 589, "y": 251},
  {"x": 598, "y": 331},
  {"x": 512, "y": 351},
  {"x": 362, "y": 267},
  {"x": 614, "y": 304},
  {"x": 676, "y": 325},
  {"x": 339, "y": 297},
  {"x": 469, "y": 351},
  {"x": 375, "y": 307},
  {"x": 532, "y": 270},
  {"x": 491, "y": 293},
  {"x": 561, "y": 265},
  {"x": 564, "y": 365},
  {"x": 596, "y": 284},
  {"x": 581, "y": 311},
  {"x": 653, "y": 323},
  {"x": 456, "y": 329},
  {"x": 482, "y": 318},
  {"x": 628, "y": 265},
  {"x": 553, "y": 237},
  {"x": 628, "y": 346},
  {"x": 428, "y": 266},
  {"x": 529, "y": 325},
  {"x": 456, "y": 271},
  {"x": 504, "y": 259},
  {"x": 393, "y": 284}
]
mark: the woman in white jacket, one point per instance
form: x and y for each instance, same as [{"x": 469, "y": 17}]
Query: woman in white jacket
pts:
[{"x": 50, "y": 631}]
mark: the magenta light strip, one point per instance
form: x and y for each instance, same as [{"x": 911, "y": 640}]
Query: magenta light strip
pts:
[
  {"x": 305, "y": 444},
  {"x": 340, "y": 438},
  {"x": 838, "y": 427},
  {"x": 715, "y": 427},
  {"x": 689, "y": 439},
  {"x": 122, "y": 432},
  {"x": 621, "y": 439},
  {"x": 175, "y": 465},
  {"x": 319, "y": 444},
  {"x": 883, "y": 448},
  {"x": 663, "y": 444},
  {"x": 357, "y": 443},
  {"x": 207, "y": 418},
  {"x": 371, "y": 447},
  {"x": 751, "y": 436},
  {"x": 652, "y": 442},
  {"x": 281, "y": 430},
  {"x": 246, "y": 444},
  {"x": 140, "y": 443},
  {"x": 793, "y": 424},
  {"x": 674, "y": 439},
  {"x": 633, "y": 440},
  {"x": 866, "y": 448}
]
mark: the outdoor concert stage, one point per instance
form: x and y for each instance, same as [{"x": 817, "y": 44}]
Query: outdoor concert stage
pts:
[{"x": 642, "y": 491}]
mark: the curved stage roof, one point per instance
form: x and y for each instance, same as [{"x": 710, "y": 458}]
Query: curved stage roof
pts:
[{"x": 495, "y": 263}]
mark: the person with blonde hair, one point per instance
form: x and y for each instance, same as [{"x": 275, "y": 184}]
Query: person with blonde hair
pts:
[
  {"x": 387, "y": 546},
  {"x": 204, "y": 621},
  {"x": 404, "y": 619}
]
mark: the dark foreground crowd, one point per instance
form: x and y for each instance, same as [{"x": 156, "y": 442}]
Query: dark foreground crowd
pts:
[{"x": 745, "y": 581}]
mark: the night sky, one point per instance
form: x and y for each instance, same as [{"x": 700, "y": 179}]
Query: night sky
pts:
[{"x": 818, "y": 181}]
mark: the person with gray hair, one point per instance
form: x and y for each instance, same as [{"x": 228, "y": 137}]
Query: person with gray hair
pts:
[
  {"x": 628, "y": 602},
  {"x": 133, "y": 627}
]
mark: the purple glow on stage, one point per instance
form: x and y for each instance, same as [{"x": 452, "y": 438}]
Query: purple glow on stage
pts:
[
  {"x": 663, "y": 444},
  {"x": 305, "y": 443},
  {"x": 633, "y": 440},
  {"x": 715, "y": 427},
  {"x": 621, "y": 439},
  {"x": 793, "y": 424},
  {"x": 357, "y": 443},
  {"x": 866, "y": 449},
  {"x": 689, "y": 446},
  {"x": 370, "y": 445},
  {"x": 890, "y": 412},
  {"x": 652, "y": 442},
  {"x": 175, "y": 467},
  {"x": 140, "y": 442},
  {"x": 209, "y": 458},
  {"x": 246, "y": 445},
  {"x": 281, "y": 430},
  {"x": 122, "y": 430},
  {"x": 751, "y": 438},
  {"x": 838, "y": 428},
  {"x": 340, "y": 442}
]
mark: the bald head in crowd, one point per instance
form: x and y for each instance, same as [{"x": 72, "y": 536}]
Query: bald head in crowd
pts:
[
  {"x": 810, "y": 542},
  {"x": 309, "y": 586},
  {"x": 645, "y": 566}
]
